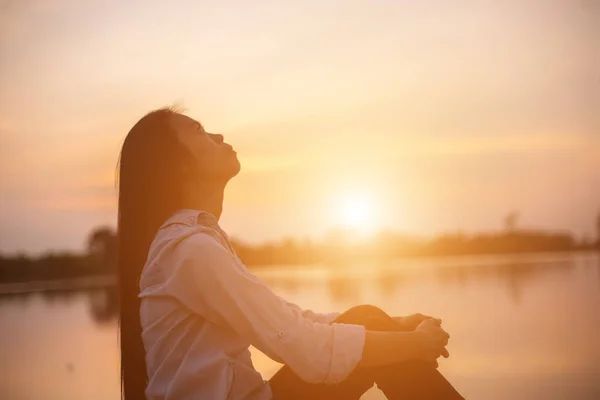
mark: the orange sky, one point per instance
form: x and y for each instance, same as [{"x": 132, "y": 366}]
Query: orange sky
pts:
[{"x": 447, "y": 114}]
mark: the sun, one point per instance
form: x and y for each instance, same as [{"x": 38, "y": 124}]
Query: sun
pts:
[{"x": 356, "y": 212}]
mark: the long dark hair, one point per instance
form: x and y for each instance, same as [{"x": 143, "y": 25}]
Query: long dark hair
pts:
[{"x": 151, "y": 188}]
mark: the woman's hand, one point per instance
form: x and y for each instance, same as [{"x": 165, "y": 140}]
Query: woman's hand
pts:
[
  {"x": 426, "y": 343},
  {"x": 432, "y": 340},
  {"x": 410, "y": 322}
]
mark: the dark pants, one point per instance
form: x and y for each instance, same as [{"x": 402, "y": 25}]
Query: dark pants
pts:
[{"x": 408, "y": 380}]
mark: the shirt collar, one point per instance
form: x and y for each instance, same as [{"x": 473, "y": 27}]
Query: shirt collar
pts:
[{"x": 192, "y": 217}]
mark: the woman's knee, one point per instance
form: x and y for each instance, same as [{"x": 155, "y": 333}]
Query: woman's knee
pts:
[
  {"x": 370, "y": 316},
  {"x": 367, "y": 310}
]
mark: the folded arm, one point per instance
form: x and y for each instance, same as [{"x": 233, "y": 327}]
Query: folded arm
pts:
[
  {"x": 210, "y": 281},
  {"x": 314, "y": 316}
]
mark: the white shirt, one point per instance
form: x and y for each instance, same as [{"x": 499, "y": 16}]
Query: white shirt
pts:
[{"x": 201, "y": 309}]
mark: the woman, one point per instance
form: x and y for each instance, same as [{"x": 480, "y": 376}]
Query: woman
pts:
[{"x": 190, "y": 309}]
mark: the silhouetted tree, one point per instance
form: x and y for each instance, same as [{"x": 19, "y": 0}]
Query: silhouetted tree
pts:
[
  {"x": 337, "y": 249},
  {"x": 511, "y": 220},
  {"x": 102, "y": 248}
]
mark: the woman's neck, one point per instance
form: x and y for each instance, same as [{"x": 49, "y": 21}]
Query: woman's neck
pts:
[{"x": 208, "y": 198}]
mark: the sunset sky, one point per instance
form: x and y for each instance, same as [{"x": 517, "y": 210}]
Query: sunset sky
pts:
[{"x": 435, "y": 115}]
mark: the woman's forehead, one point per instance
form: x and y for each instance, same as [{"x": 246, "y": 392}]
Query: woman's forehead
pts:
[{"x": 183, "y": 121}]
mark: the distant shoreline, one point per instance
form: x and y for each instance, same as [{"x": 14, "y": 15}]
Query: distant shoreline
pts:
[
  {"x": 48, "y": 285},
  {"x": 103, "y": 281}
]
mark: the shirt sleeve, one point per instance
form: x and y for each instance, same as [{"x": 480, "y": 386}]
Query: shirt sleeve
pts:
[
  {"x": 327, "y": 318},
  {"x": 313, "y": 316},
  {"x": 211, "y": 282}
]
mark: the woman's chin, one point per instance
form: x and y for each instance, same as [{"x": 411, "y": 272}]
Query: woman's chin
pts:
[{"x": 236, "y": 167}]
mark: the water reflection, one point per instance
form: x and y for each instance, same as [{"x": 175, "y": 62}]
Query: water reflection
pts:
[
  {"x": 290, "y": 283},
  {"x": 390, "y": 276},
  {"x": 344, "y": 289},
  {"x": 515, "y": 276},
  {"x": 344, "y": 283},
  {"x": 390, "y": 280},
  {"x": 102, "y": 303},
  {"x": 548, "y": 344}
]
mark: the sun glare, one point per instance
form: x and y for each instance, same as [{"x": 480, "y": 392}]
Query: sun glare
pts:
[{"x": 356, "y": 212}]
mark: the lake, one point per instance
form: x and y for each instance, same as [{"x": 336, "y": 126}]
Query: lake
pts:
[{"x": 522, "y": 326}]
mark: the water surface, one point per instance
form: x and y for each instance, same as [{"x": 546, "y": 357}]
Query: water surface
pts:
[{"x": 523, "y": 327}]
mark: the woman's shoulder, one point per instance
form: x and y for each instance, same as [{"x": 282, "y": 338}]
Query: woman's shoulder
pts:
[
  {"x": 198, "y": 242},
  {"x": 175, "y": 245}
]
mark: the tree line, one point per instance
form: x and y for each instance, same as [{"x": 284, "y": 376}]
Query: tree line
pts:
[{"x": 100, "y": 255}]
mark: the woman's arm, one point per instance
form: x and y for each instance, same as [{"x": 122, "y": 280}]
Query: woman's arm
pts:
[
  {"x": 384, "y": 348},
  {"x": 427, "y": 342},
  {"x": 314, "y": 316},
  {"x": 206, "y": 278},
  {"x": 410, "y": 322}
]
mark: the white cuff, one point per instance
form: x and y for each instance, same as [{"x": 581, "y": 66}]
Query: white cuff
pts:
[
  {"x": 330, "y": 317},
  {"x": 348, "y": 344}
]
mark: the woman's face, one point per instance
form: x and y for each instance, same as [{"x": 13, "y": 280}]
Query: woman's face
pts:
[{"x": 215, "y": 159}]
